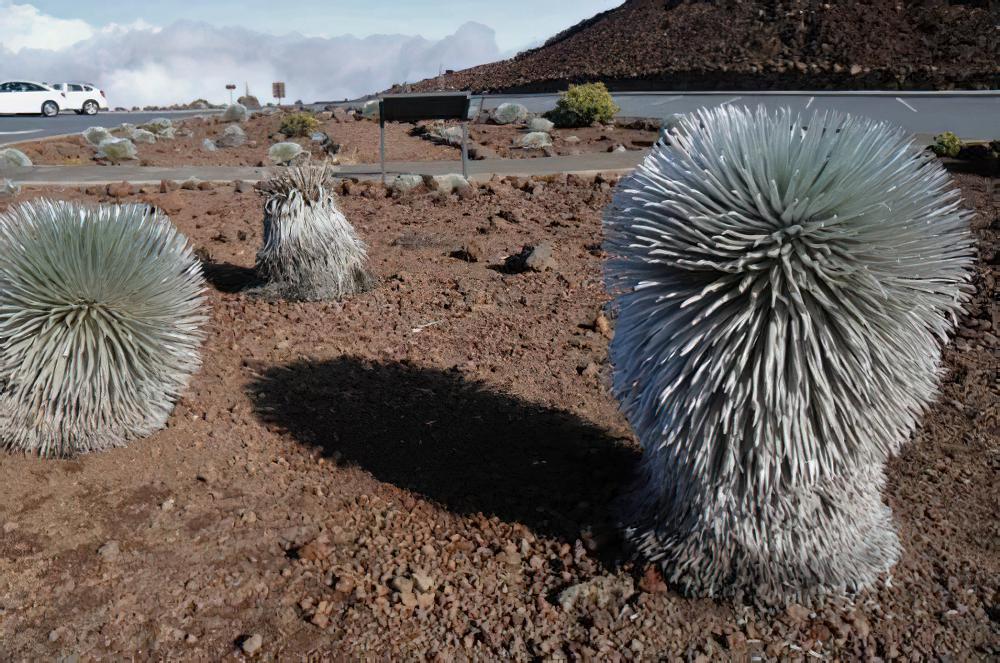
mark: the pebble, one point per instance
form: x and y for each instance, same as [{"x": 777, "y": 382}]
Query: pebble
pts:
[
  {"x": 110, "y": 551},
  {"x": 423, "y": 582},
  {"x": 252, "y": 644}
]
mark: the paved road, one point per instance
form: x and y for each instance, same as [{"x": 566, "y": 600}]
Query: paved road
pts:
[
  {"x": 16, "y": 128},
  {"x": 478, "y": 170},
  {"x": 973, "y": 114}
]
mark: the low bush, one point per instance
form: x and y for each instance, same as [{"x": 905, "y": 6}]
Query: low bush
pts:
[
  {"x": 299, "y": 124},
  {"x": 582, "y": 105},
  {"x": 947, "y": 144}
]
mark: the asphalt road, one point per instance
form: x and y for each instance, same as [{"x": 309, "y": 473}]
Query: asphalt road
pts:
[
  {"x": 972, "y": 115},
  {"x": 16, "y": 128}
]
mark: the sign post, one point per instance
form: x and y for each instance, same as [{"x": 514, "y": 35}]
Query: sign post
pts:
[
  {"x": 230, "y": 87},
  {"x": 429, "y": 106},
  {"x": 278, "y": 91}
]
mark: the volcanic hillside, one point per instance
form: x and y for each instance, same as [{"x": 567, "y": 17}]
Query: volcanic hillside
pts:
[{"x": 755, "y": 44}]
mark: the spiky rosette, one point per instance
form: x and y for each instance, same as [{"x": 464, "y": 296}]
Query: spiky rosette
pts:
[
  {"x": 101, "y": 316},
  {"x": 783, "y": 289},
  {"x": 310, "y": 251}
]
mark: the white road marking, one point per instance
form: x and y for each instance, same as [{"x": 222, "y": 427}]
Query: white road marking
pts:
[
  {"x": 906, "y": 104},
  {"x": 810, "y": 102},
  {"x": 729, "y": 101},
  {"x": 18, "y": 133},
  {"x": 666, "y": 101}
]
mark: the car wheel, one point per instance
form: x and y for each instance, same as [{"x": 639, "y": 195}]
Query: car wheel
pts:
[
  {"x": 50, "y": 109},
  {"x": 90, "y": 108}
]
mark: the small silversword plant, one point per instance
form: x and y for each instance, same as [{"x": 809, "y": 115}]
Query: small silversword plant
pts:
[{"x": 310, "y": 250}]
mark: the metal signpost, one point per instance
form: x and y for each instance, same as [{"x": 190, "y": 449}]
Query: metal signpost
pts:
[
  {"x": 278, "y": 91},
  {"x": 430, "y": 106}
]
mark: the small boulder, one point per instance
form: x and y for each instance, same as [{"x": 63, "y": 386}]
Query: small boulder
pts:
[
  {"x": 94, "y": 135},
  {"x": 120, "y": 190},
  {"x": 541, "y": 124},
  {"x": 406, "y": 183},
  {"x": 470, "y": 251},
  {"x": 233, "y": 136},
  {"x": 159, "y": 126},
  {"x": 12, "y": 158},
  {"x": 531, "y": 259},
  {"x": 252, "y": 644},
  {"x": 235, "y": 113},
  {"x": 208, "y": 145},
  {"x": 283, "y": 153},
  {"x": 143, "y": 136},
  {"x": 509, "y": 113},
  {"x": 451, "y": 183},
  {"x": 116, "y": 149},
  {"x": 535, "y": 140},
  {"x": 110, "y": 551}
]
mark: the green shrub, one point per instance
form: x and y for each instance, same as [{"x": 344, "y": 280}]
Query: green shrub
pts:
[
  {"x": 299, "y": 124},
  {"x": 582, "y": 105},
  {"x": 947, "y": 144}
]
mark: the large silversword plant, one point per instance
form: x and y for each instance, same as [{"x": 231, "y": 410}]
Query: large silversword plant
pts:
[
  {"x": 101, "y": 316},
  {"x": 310, "y": 250},
  {"x": 783, "y": 286}
]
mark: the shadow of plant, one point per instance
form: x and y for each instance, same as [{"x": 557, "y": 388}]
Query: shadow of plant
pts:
[
  {"x": 454, "y": 441},
  {"x": 226, "y": 277}
]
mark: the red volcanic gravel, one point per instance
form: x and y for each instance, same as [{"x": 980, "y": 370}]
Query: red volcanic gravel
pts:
[{"x": 427, "y": 471}]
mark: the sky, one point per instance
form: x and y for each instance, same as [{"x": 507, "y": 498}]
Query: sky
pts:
[{"x": 168, "y": 52}]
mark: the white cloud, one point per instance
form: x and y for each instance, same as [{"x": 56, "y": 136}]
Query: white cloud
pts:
[
  {"x": 23, "y": 26},
  {"x": 139, "y": 64}
]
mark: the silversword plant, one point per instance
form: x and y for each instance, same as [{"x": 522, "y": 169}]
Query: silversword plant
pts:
[
  {"x": 310, "y": 250},
  {"x": 783, "y": 287},
  {"x": 101, "y": 317}
]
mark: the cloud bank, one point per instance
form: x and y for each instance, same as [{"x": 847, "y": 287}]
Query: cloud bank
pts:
[{"x": 140, "y": 65}]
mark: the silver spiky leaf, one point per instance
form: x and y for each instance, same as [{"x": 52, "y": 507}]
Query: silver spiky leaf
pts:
[
  {"x": 310, "y": 250},
  {"x": 101, "y": 316},
  {"x": 783, "y": 288}
]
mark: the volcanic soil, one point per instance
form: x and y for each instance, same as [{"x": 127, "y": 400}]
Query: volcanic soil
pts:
[{"x": 427, "y": 471}]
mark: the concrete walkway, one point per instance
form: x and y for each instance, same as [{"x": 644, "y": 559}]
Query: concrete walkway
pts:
[{"x": 478, "y": 170}]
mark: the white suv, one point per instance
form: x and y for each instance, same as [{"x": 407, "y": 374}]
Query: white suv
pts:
[
  {"x": 28, "y": 97},
  {"x": 83, "y": 98}
]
